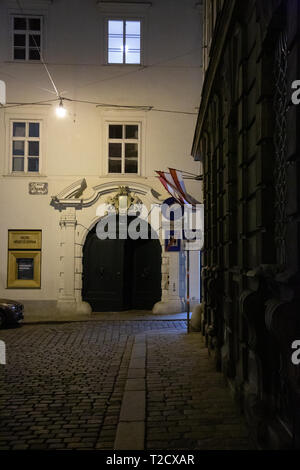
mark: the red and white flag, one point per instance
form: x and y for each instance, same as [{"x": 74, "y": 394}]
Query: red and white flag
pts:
[
  {"x": 168, "y": 184},
  {"x": 173, "y": 182}
]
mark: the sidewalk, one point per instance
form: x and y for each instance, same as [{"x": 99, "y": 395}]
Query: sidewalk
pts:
[
  {"x": 130, "y": 315},
  {"x": 174, "y": 399}
]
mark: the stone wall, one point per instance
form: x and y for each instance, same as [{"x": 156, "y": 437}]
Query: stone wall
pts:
[{"x": 246, "y": 137}]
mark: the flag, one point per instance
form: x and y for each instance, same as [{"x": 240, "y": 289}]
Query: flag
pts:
[
  {"x": 173, "y": 182},
  {"x": 169, "y": 186}
]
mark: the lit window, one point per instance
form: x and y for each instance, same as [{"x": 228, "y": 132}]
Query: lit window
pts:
[
  {"x": 123, "y": 148},
  {"x": 25, "y": 146},
  {"x": 124, "y": 42},
  {"x": 26, "y": 37}
]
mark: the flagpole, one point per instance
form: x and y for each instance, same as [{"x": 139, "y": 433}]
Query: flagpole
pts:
[
  {"x": 183, "y": 171},
  {"x": 188, "y": 289}
]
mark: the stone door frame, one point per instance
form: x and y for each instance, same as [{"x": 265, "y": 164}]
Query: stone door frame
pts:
[{"x": 73, "y": 234}]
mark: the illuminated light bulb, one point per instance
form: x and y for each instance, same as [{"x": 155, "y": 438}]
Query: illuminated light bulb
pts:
[{"x": 60, "y": 110}]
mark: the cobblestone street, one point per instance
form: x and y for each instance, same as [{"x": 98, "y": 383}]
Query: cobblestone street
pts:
[
  {"x": 188, "y": 403},
  {"x": 63, "y": 387}
]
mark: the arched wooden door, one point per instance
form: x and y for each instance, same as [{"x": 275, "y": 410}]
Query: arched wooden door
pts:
[{"x": 121, "y": 274}]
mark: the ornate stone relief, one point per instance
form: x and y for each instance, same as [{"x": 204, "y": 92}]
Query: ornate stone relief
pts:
[{"x": 114, "y": 201}]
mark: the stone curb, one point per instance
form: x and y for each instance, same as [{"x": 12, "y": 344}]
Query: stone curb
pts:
[
  {"x": 132, "y": 421},
  {"x": 131, "y": 427}
]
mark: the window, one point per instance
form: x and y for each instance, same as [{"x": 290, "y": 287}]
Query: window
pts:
[
  {"x": 25, "y": 146},
  {"x": 123, "y": 148},
  {"x": 124, "y": 42},
  {"x": 26, "y": 37}
]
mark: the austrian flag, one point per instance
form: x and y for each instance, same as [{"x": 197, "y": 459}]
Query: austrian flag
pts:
[{"x": 174, "y": 184}]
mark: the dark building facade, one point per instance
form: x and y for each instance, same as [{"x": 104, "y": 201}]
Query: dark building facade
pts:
[{"x": 246, "y": 138}]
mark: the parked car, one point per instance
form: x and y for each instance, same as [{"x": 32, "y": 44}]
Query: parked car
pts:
[{"x": 11, "y": 312}]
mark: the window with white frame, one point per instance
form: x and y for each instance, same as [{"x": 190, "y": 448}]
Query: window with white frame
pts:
[
  {"x": 27, "y": 37},
  {"x": 25, "y": 146},
  {"x": 124, "y": 41},
  {"x": 123, "y": 147}
]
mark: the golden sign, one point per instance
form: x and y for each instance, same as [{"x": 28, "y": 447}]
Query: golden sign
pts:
[
  {"x": 24, "y": 239},
  {"x": 24, "y": 270}
]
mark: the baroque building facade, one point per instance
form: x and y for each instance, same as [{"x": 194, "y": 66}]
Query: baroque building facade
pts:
[
  {"x": 127, "y": 74},
  {"x": 246, "y": 139}
]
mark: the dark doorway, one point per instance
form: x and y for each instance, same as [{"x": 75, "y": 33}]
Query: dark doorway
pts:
[{"x": 121, "y": 274}]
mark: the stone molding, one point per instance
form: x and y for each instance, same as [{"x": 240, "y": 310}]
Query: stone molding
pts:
[
  {"x": 68, "y": 202},
  {"x": 70, "y": 196}
]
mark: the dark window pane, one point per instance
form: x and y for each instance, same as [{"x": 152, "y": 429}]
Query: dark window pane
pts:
[
  {"x": 131, "y": 165},
  {"x": 25, "y": 268},
  {"x": 114, "y": 166},
  {"x": 18, "y": 164},
  {"x": 132, "y": 132},
  {"x": 20, "y": 23},
  {"x": 18, "y": 147},
  {"x": 34, "y": 40},
  {"x": 19, "y": 54},
  {"x": 33, "y": 148},
  {"x": 34, "y": 54},
  {"x": 33, "y": 164},
  {"x": 115, "y": 131},
  {"x": 34, "y": 129},
  {"x": 19, "y": 40},
  {"x": 34, "y": 24},
  {"x": 115, "y": 150},
  {"x": 19, "y": 129},
  {"x": 131, "y": 150}
]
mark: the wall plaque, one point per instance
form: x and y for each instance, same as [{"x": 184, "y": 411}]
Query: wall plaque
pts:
[
  {"x": 24, "y": 269},
  {"x": 24, "y": 239},
  {"x": 24, "y": 259},
  {"x": 38, "y": 188}
]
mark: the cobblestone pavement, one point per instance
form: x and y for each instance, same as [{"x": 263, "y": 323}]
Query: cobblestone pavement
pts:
[
  {"x": 188, "y": 403},
  {"x": 63, "y": 385}
]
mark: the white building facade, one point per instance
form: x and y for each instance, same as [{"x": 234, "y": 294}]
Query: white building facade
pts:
[{"x": 128, "y": 75}]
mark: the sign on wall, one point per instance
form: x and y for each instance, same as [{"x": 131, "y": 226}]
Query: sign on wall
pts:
[
  {"x": 38, "y": 188},
  {"x": 24, "y": 239},
  {"x": 24, "y": 259}
]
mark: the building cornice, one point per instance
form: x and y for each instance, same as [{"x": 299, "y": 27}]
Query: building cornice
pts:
[
  {"x": 109, "y": 6},
  {"x": 217, "y": 47},
  {"x": 29, "y": 3}
]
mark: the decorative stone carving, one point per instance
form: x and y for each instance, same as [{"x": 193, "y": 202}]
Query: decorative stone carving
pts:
[
  {"x": 114, "y": 201},
  {"x": 71, "y": 196}
]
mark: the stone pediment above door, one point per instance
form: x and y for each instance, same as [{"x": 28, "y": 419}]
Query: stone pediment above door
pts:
[{"x": 71, "y": 195}]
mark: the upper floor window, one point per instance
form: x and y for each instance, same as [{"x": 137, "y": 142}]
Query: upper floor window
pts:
[
  {"x": 124, "y": 41},
  {"x": 25, "y": 146},
  {"x": 27, "y": 31},
  {"x": 123, "y": 148}
]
